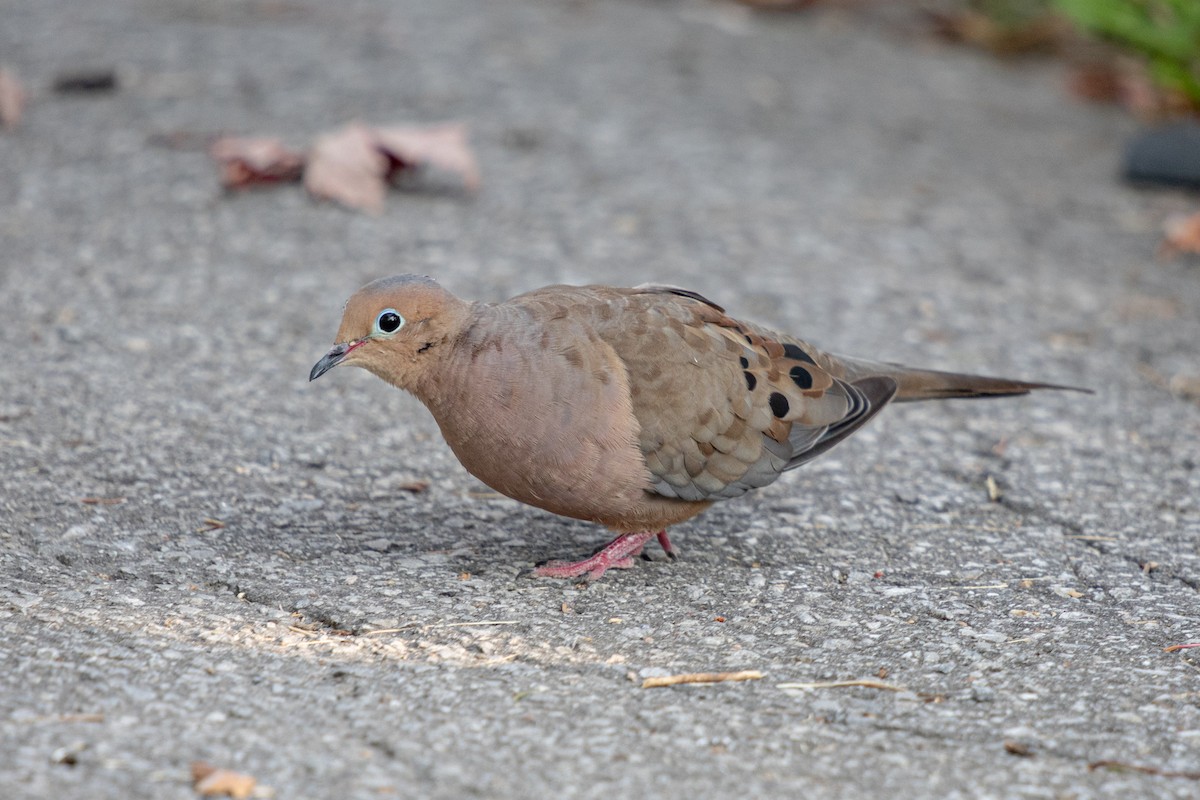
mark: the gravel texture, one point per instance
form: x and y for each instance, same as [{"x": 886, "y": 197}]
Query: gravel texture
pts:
[{"x": 336, "y": 635}]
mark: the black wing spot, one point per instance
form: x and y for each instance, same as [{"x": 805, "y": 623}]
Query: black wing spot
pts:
[
  {"x": 796, "y": 352},
  {"x": 779, "y": 405},
  {"x": 801, "y": 377},
  {"x": 751, "y": 381},
  {"x": 745, "y": 362}
]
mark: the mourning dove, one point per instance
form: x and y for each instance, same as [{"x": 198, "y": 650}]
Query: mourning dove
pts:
[{"x": 634, "y": 408}]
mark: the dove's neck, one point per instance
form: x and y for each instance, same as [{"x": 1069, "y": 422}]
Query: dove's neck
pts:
[{"x": 476, "y": 362}]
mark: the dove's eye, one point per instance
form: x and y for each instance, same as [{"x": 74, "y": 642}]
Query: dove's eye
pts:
[{"x": 388, "y": 321}]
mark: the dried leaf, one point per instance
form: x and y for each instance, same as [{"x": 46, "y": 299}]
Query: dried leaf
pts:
[
  {"x": 1175, "y": 647},
  {"x": 12, "y": 100},
  {"x": 1128, "y": 83},
  {"x": 254, "y": 161},
  {"x": 1017, "y": 748},
  {"x": 353, "y": 166},
  {"x": 210, "y": 781},
  {"x": 348, "y": 167},
  {"x": 1098, "y": 82},
  {"x": 1181, "y": 234},
  {"x": 1042, "y": 33},
  {"x": 415, "y": 486},
  {"x": 439, "y": 146}
]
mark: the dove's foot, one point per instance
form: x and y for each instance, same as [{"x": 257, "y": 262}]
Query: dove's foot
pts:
[
  {"x": 666, "y": 544},
  {"x": 617, "y": 554}
]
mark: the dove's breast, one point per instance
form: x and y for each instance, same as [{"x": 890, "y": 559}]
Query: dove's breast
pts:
[{"x": 542, "y": 413}]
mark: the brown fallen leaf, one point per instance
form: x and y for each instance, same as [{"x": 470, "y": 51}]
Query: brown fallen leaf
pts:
[
  {"x": 1110, "y": 77},
  {"x": 12, "y": 100},
  {"x": 354, "y": 165},
  {"x": 1097, "y": 82},
  {"x": 1176, "y": 647},
  {"x": 1042, "y": 33},
  {"x": 102, "y": 501},
  {"x": 1015, "y": 748},
  {"x": 210, "y": 781},
  {"x": 415, "y": 486},
  {"x": 1181, "y": 234},
  {"x": 254, "y": 161},
  {"x": 701, "y": 677}
]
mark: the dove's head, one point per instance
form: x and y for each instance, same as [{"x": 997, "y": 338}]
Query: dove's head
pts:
[{"x": 395, "y": 328}]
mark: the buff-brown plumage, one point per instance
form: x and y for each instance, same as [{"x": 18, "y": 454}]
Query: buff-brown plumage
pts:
[{"x": 634, "y": 408}]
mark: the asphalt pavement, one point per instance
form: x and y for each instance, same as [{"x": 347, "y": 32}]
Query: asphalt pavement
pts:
[{"x": 203, "y": 557}]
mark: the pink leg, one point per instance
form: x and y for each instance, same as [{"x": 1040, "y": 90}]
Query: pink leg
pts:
[
  {"x": 666, "y": 544},
  {"x": 617, "y": 554}
]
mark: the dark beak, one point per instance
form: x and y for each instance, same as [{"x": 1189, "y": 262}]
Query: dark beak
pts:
[{"x": 336, "y": 355}]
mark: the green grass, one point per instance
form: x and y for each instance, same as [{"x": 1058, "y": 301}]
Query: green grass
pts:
[{"x": 1166, "y": 33}]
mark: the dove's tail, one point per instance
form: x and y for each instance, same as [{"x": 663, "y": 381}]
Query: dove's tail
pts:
[{"x": 928, "y": 384}]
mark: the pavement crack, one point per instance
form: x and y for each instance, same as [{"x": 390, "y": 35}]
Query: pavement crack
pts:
[
  {"x": 309, "y": 618},
  {"x": 979, "y": 739},
  {"x": 1157, "y": 572}
]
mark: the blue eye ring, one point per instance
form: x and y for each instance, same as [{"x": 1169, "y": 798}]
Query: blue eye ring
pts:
[{"x": 388, "y": 322}]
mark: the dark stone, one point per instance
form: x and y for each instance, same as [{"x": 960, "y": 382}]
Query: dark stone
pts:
[
  {"x": 1169, "y": 156},
  {"x": 86, "y": 81}
]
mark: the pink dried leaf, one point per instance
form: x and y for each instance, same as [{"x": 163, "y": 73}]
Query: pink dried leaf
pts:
[
  {"x": 442, "y": 146},
  {"x": 348, "y": 167},
  {"x": 254, "y": 161},
  {"x": 12, "y": 100},
  {"x": 1181, "y": 234}
]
